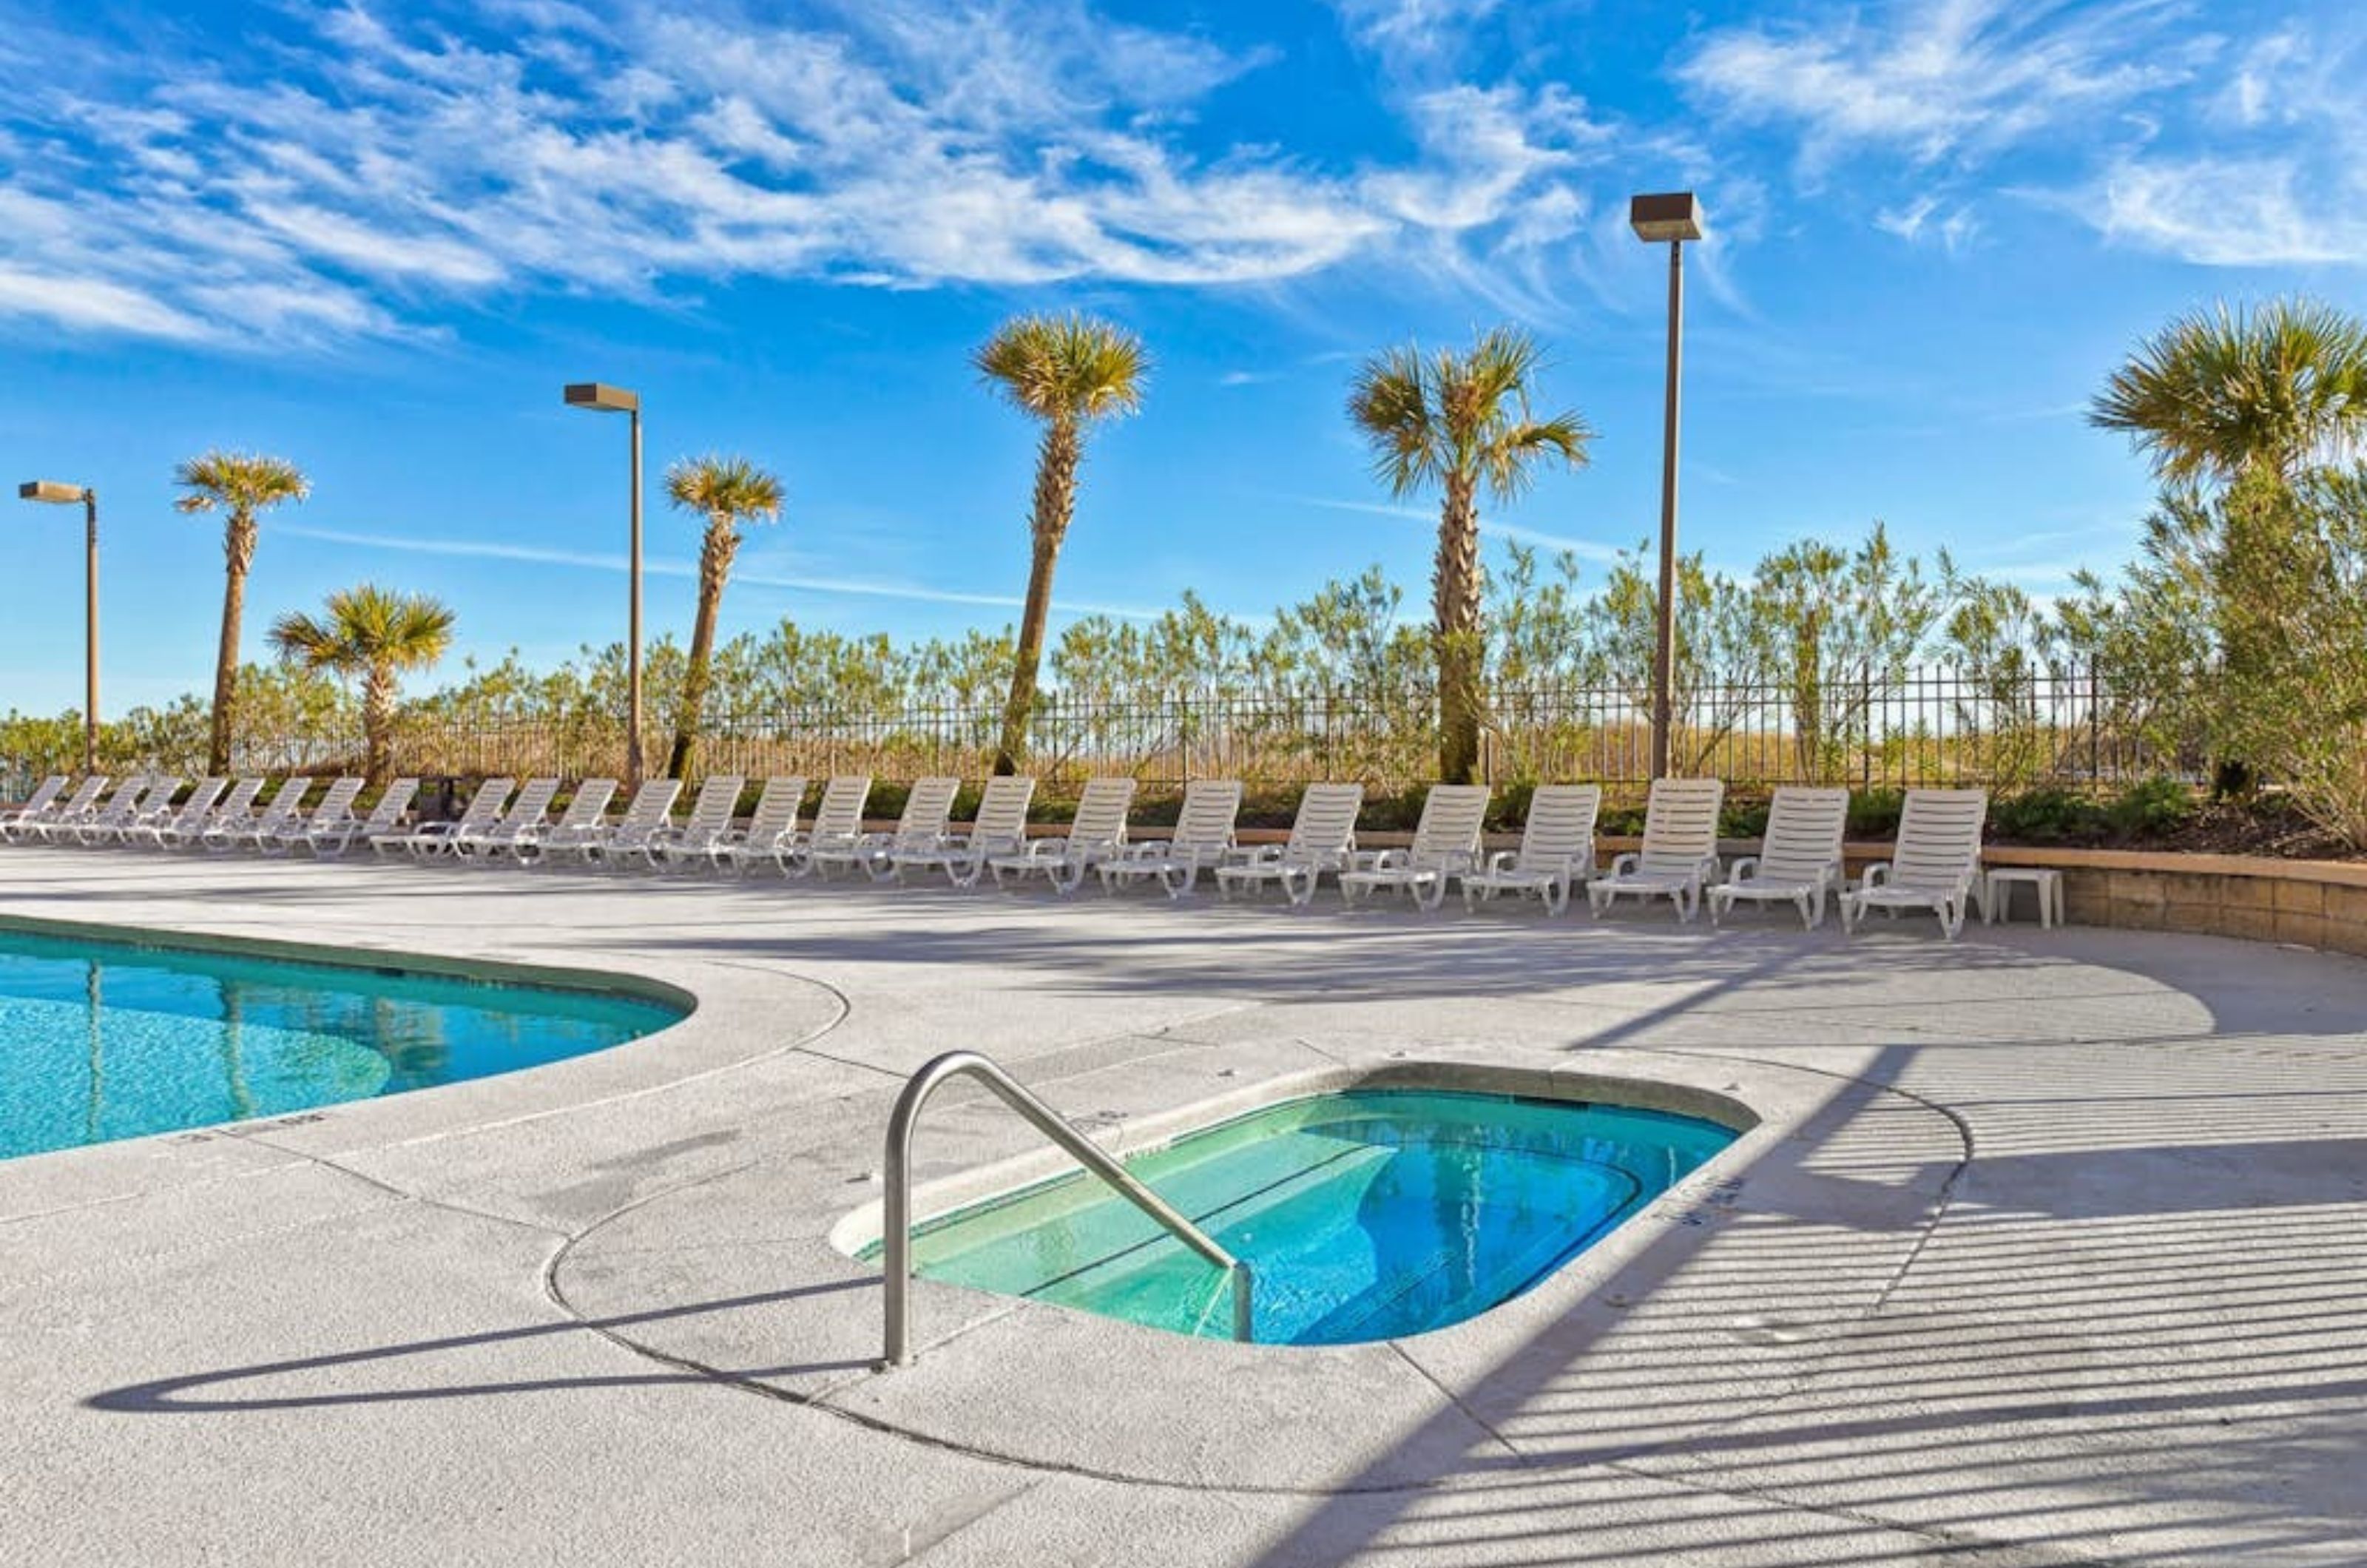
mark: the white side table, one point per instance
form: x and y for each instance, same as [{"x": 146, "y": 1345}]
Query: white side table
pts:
[{"x": 2045, "y": 878}]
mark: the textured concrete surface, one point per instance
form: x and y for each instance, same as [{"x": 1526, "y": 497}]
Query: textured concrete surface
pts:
[{"x": 2053, "y": 1251}]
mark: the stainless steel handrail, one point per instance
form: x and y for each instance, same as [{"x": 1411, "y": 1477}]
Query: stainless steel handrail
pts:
[{"x": 897, "y": 1352}]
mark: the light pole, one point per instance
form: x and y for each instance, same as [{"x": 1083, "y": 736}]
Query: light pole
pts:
[
  {"x": 1675, "y": 218},
  {"x": 616, "y": 400},
  {"x": 66, "y": 495}
]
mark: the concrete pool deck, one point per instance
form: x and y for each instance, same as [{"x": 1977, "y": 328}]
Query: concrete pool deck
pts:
[{"x": 2061, "y": 1256}]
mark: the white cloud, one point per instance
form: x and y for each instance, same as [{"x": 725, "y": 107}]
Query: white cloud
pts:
[
  {"x": 1940, "y": 79},
  {"x": 386, "y": 166},
  {"x": 663, "y": 566},
  {"x": 1922, "y": 220},
  {"x": 2226, "y": 212}
]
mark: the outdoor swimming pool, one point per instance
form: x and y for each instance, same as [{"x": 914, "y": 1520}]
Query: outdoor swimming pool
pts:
[
  {"x": 107, "y": 1039},
  {"x": 1366, "y": 1214}
]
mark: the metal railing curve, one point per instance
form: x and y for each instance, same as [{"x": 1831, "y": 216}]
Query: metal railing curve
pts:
[{"x": 897, "y": 1340}]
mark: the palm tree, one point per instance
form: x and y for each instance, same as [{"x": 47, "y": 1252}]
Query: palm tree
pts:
[
  {"x": 1460, "y": 422},
  {"x": 2222, "y": 392},
  {"x": 242, "y": 484},
  {"x": 727, "y": 491},
  {"x": 1067, "y": 371},
  {"x": 376, "y": 634}
]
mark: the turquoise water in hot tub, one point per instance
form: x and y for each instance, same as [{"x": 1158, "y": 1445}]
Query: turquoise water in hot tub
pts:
[
  {"x": 100, "y": 1041},
  {"x": 1363, "y": 1215}
]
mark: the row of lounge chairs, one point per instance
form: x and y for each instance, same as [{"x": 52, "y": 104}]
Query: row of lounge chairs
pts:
[
  {"x": 1936, "y": 865},
  {"x": 150, "y": 811}
]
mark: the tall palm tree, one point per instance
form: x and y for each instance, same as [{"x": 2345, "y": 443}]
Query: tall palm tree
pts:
[
  {"x": 374, "y": 635},
  {"x": 727, "y": 491},
  {"x": 1068, "y": 371},
  {"x": 240, "y": 484},
  {"x": 1460, "y": 422},
  {"x": 2222, "y": 392}
]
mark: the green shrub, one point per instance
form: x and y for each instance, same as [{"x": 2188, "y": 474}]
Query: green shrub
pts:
[
  {"x": 2151, "y": 808},
  {"x": 2043, "y": 816},
  {"x": 1874, "y": 813}
]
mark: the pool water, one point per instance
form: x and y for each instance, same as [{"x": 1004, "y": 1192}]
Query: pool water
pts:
[
  {"x": 1363, "y": 1215},
  {"x": 100, "y": 1041}
]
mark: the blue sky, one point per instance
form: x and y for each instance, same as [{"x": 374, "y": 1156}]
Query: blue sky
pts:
[{"x": 377, "y": 239}]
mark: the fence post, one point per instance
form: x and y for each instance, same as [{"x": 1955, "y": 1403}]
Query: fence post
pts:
[{"x": 2095, "y": 733}]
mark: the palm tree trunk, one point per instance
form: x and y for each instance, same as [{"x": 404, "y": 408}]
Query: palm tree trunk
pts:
[
  {"x": 1056, "y": 502},
  {"x": 1455, "y": 602},
  {"x": 377, "y": 725},
  {"x": 238, "y": 553},
  {"x": 714, "y": 569}
]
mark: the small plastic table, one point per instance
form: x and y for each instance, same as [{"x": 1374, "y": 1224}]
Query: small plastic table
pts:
[{"x": 2045, "y": 878}]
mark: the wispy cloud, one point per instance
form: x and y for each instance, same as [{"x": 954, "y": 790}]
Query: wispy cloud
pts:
[
  {"x": 659, "y": 566},
  {"x": 394, "y": 163},
  {"x": 1585, "y": 549}
]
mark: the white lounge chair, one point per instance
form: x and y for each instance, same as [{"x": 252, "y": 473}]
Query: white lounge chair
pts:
[
  {"x": 999, "y": 828},
  {"x": 1799, "y": 858},
  {"x": 1201, "y": 840},
  {"x": 586, "y": 815},
  {"x": 693, "y": 842},
  {"x": 1446, "y": 845},
  {"x": 286, "y": 809},
  {"x": 1557, "y": 849},
  {"x": 189, "y": 817},
  {"x": 328, "y": 840},
  {"x": 26, "y": 823},
  {"x": 649, "y": 816},
  {"x": 928, "y": 809},
  {"x": 280, "y": 836},
  {"x": 526, "y": 817},
  {"x": 1097, "y": 833},
  {"x": 429, "y": 838},
  {"x": 45, "y": 795},
  {"x": 837, "y": 824},
  {"x": 139, "y": 797},
  {"x": 1936, "y": 865},
  {"x": 180, "y": 833},
  {"x": 1679, "y": 853},
  {"x": 772, "y": 824},
  {"x": 1322, "y": 838}
]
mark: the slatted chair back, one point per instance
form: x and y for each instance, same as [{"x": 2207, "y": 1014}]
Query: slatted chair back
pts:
[
  {"x": 1560, "y": 829},
  {"x": 387, "y": 815},
  {"x": 1325, "y": 828},
  {"x": 710, "y": 813},
  {"x": 1102, "y": 809},
  {"x": 928, "y": 807},
  {"x": 650, "y": 806},
  {"x": 840, "y": 814},
  {"x": 1939, "y": 847},
  {"x": 1448, "y": 828},
  {"x": 776, "y": 809},
  {"x": 1211, "y": 807},
  {"x": 586, "y": 806},
  {"x": 1805, "y": 828},
  {"x": 1002, "y": 820},
  {"x": 1679, "y": 826}
]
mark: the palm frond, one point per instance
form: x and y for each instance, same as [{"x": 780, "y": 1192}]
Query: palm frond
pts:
[
  {"x": 239, "y": 482},
  {"x": 2226, "y": 389},
  {"x": 730, "y": 491},
  {"x": 1072, "y": 368},
  {"x": 366, "y": 628},
  {"x": 1427, "y": 417}
]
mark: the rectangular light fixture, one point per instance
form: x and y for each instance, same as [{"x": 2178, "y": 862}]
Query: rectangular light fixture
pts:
[
  {"x": 49, "y": 489},
  {"x": 1673, "y": 215},
  {"x": 600, "y": 395}
]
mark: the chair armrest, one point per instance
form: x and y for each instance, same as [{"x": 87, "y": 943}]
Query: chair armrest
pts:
[
  {"x": 1744, "y": 869},
  {"x": 1625, "y": 863},
  {"x": 1874, "y": 875},
  {"x": 1264, "y": 855},
  {"x": 1502, "y": 861}
]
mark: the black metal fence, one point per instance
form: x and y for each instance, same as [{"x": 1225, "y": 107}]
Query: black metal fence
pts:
[{"x": 1871, "y": 731}]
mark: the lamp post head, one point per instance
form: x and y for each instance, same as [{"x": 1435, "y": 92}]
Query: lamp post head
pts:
[
  {"x": 599, "y": 395},
  {"x": 1672, "y": 215},
  {"x": 50, "y": 491}
]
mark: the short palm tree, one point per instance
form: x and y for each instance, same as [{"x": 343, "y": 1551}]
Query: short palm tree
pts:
[
  {"x": 374, "y": 634},
  {"x": 1460, "y": 422},
  {"x": 1068, "y": 371},
  {"x": 240, "y": 484},
  {"x": 727, "y": 491},
  {"x": 2222, "y": 392}
]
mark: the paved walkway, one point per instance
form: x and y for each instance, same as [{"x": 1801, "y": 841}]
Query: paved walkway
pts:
[{"x": 2060, "y": 1255}]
